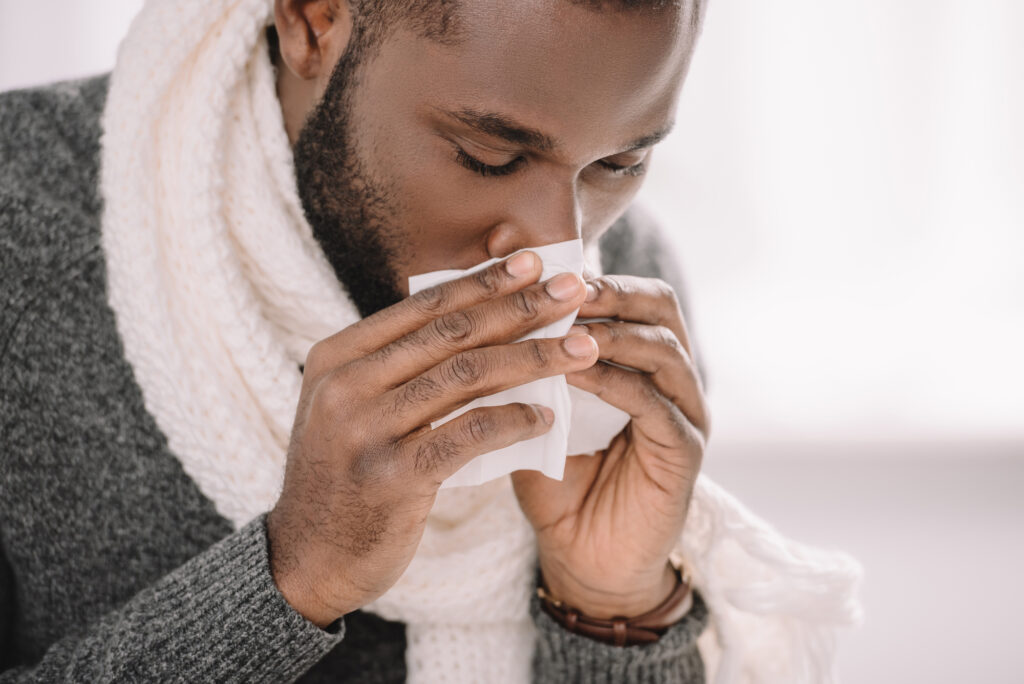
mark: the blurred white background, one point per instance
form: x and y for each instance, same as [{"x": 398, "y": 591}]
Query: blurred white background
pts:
[
  {"x": 846, "y": 190},
  {"x": 847, "y": 187}
]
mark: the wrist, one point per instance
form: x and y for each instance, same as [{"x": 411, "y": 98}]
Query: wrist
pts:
[
  {"x": 302, "y": 595},
  {"x": 637, "y": 598},
  {"x": 298, "y": 578}
]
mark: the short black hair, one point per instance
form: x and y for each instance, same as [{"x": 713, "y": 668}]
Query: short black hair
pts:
[
  {"x": 439, "y": 19},
  {"x": 434, "y": 19}
]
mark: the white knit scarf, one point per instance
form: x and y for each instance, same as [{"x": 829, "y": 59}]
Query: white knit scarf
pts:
[{"x": 220, "y": 290}]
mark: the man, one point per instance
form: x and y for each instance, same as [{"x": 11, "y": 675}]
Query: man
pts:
[{"x": 218, "y": 461}]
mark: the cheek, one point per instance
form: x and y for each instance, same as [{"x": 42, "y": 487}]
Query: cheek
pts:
[
  {"x": 439, "y": 221},
  {"x": 444, "y": 218}
]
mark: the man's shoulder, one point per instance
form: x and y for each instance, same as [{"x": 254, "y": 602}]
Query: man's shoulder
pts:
[
  {"x": 49, "y": 199},
  {"x": 50, "y": 139},
  {"x": 44, "y": 114}
]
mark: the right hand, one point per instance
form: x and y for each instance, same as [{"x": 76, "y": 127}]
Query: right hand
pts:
[{"x": 364, "y": 465}]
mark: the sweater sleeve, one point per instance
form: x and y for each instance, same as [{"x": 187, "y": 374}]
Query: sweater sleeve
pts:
[
  {"x": 561, "y": 656},
  {"x": 217, "y": 618}
]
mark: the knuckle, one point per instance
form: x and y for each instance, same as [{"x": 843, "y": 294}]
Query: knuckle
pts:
[
  {"x": 466, "y": 369},
  {"x": 538, "y": 353},
  {"x": 417, "y": 391},
  {"x": 665, "y": 336},
  {"x": 315, "y": 359},
  {"x": 527, "y": 415},
  {"x": 613, "y": 284},
  {"x": 479, "y": 426},
  {"x": 316, "y": 351},
  {"x": 375, "y": 463},
  {"x": 431, "y": 301},
  {"x": 525, "y": 305},
  {"x": 664, "y": 290},
  {"x": 334, "y": 392},
  {"x": 453, "y": 327},
  {"x": 430, "y": 455},
  {"x": 489, "y": 280}
]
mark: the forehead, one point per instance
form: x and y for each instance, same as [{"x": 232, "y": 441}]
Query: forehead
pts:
[{"x": 587, "y": 78}]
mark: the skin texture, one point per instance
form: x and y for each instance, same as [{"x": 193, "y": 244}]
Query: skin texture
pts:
[{"x": 378, "y": 143}]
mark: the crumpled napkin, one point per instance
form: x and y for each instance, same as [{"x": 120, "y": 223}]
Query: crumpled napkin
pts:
[{"x": 583, "y": 423}]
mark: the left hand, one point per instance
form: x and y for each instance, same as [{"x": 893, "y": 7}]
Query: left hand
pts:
[{"x": 605, "y": 531}]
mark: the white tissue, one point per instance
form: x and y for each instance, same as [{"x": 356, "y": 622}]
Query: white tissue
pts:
[{"x": 583, "y": 423}]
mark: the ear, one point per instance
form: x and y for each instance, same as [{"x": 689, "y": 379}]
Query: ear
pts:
[{"x": 313, "y": 34}]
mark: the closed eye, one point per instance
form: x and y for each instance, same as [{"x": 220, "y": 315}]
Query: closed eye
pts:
[
  {"x": 637, "y": 169},
  {"x": 477, "y": 166},
  {"x": 487, "y": 170}
]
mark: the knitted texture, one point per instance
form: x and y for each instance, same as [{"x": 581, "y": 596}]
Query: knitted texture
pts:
[
  {"x": 157, "y": 633},
  {"x": 219, "y": 291}
]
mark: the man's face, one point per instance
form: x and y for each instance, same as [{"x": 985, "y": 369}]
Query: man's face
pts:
[{"x": 536, "y": 127}]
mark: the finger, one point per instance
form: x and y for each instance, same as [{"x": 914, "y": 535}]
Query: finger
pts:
[
  {"x": 658, "y": 419},
  {"x": 639, "y": 300},
  {"x": 653, "y": 349},
  {"x": 492, "y": 322},
  {"x": 414, "y": 312},
  {"x": 437, "y": 454},
  {"x": 481, "y": 372}
]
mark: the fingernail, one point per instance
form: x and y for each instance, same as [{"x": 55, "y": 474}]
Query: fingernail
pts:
[
  {"x": 578, "y": 329},
  {"x": 564, "y": 286},
  {"x": 580, "y": 346},
  {"x": 591, "y": 292},
  {"x": 521, "y": 264},
  {"x": 546, "y": 414}
]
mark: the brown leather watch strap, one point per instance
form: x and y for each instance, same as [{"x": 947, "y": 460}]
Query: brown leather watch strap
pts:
[{"x": 621, "y": 631}]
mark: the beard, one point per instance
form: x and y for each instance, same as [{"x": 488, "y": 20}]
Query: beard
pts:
[{"x": 352, "y": 216}]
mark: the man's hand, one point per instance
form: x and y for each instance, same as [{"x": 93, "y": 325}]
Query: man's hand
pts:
[
  {"x": 605, "y": 532},
  {"x": 364, "y": 465}
]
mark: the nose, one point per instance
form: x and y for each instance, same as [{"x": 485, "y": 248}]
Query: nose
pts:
[{"x": 548, "y": 214}]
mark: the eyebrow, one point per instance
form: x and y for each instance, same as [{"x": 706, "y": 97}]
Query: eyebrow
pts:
[
  {"x": 501, "y": 126},
  {"x": 509, "y": 130}
]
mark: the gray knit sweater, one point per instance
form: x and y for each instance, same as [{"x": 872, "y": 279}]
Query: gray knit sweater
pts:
[{"x": 113, "y": 565}]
